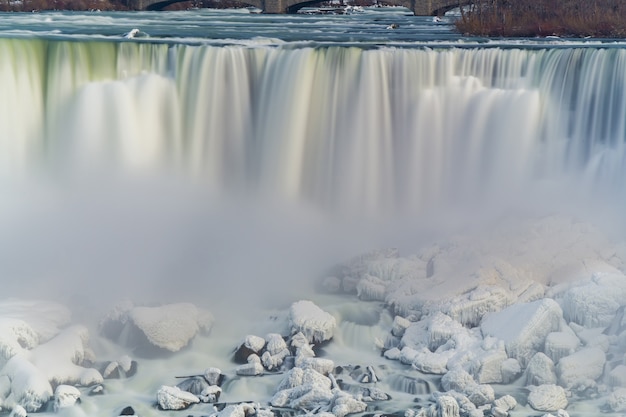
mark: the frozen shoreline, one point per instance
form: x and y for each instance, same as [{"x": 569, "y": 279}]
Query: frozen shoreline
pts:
[{"x": 534, "y": 310}]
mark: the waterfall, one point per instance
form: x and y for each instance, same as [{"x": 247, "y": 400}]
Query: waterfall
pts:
[{"x": 342, "y": 128}]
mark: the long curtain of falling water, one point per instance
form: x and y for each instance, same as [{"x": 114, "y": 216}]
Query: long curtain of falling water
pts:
[{"x": 367, "y": 131}]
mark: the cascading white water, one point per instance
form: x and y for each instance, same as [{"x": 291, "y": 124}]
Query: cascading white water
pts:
[{"x": 371, "y": 131}]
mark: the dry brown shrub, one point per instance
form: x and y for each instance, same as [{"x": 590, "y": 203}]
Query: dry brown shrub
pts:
[{"x": 527, "y": 18}]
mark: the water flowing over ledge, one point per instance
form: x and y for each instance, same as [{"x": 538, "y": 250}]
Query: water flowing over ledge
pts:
[{"x": 343, "y": 128}]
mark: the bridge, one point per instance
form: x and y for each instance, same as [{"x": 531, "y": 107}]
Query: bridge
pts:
[{"x": 419, "y": 7}]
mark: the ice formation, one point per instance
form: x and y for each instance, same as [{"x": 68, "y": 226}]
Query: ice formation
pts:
[
  {"x": 173, "y": 398},
  {"x": 460, "y": 322},
  {"x": 307, "y": 318},
  {"x": 169, "y": 327}
]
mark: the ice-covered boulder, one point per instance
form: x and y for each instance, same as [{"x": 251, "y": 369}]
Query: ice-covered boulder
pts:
[
  {"x": 441, "y": 328},
  {"x": 447, "y": 406},
  {"x": 511, "y": 370},
  {"x": 370, "y": 288},
  {"x": 124, "y": 367},
  {"x": 274, "y": 362},
  {"x": 173, "y": 398},
  {"x": 490, "y": 364},
  {"x": 65, "y": 396},
  {"x": 595, "y": 303},
  {"x": 547, "y": 397},
  {"x": 252, "y": 368},
  {"x": 503, "y": 405},
  {"x": 400, "y": 324},
  {"x": 462, "y": 382},
  {"x": 561, "y": 344},
  {"x": 251, "y": 345},
  {"x": 307, "y": 318},
  {"x": 213, "y": 376},
  {"x": 18, "y": 411},
  {"x": 210, "y": 394},
  {"x": 16, "y": 336},
  {"x": 458, "y": 380},
  {"x": 617, "y": 376},
  {"x": 322, "y": 365},
  {"x": 343, "y": 404},
  {"x": 540, "y": 370},
  {"x": 584, "y": 365},
  {"x": 29, "y": 386},
  {"x": 431, "y": 362},
  {"x": 524, "y": 327},
  {"x": 275, "y": 344},
  {"x": 60, "y": 358},
  {"x": 242, "y": 410},
  {"x": 166, "y": 328},
  {"x": 617, "y": 400},
  {"x": 469, "y": 308},
  {"x": 306, "y": 396}
]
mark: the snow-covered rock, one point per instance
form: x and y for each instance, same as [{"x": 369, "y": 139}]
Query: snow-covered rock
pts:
[
  {"x": 317, "y": 325},
  {"x": 275, "y": 344},
  {"x": 173, "y": 398},
  {"x": 400, "y": 324},
  {"x": 490, "y": 364},
  {"x": 16, "y": 336},
  {"x": 307, "y": 396},
  {"x": 241, "y": 410},
  {"x": 30, "y": 387},
  {"x": 431, "y": 362},
  {"x": 61, "y": 357},
  {"x": 617, "y": 400},
  {"x": 370, "y": 288},
  {"x": 65, "y": 396},
  {"x": 470, "y": 308},
  {"x": 194, "y": 384},
  {"x": 447, "y": 406},
  {"x": 511, "y": 370},
  {"x": 617, "y": 376},
  {"x": 274, "y": 362},
  {"x": 561, "y": 344},
  {"x": 322, "y": 365},
  {"x": 506, "y": 403},
  {"x": 343, "y": 404},
  {"x": 251, "y": 345},
  {"x": 595, "y": 303},
  {"x": 18, "y": 411},
  {"x": 210, "y": 394},
  {"x": 540, "y": 370},
  {"x": 213, "y": 376},
  {"x": 547, "y": 397},
  {"x": 462, "y": 382},
  {"x": 524, "y": 327},
  {"x": 586, "y": 364},
  {"x": 168, "y": 327},
  {"x": 252, "y": 368}
]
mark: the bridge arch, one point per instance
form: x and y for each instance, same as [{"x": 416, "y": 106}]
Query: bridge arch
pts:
[{"x": 419, "y": 7}]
